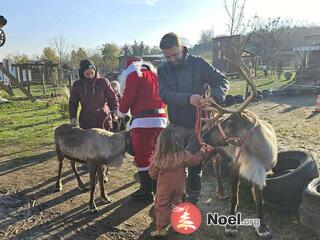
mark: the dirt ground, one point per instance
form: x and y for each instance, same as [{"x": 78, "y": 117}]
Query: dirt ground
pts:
[{"x": 29, "y": 209}]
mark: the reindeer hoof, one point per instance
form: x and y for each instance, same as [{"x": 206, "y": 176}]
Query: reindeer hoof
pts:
[
  {"x": 231, "y": 231},
  {"x": 57, "y": 188},
  {"x": 106, "y": 199},
  {"x": 92, "y": 209},
  {"x": 264, "y": 232}
]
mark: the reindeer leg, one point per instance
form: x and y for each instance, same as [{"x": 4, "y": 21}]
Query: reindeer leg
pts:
[
  {"x": 220, "y": 189},
  {"x": 105, "y": 171},
  {"x": 58, "y": 186},
  {"x": 104, "y": 197},
  {"x": 234, "y": 177},
  {"x": 92, "y": 172},
  {"x": 75, "y": 170},
  {"x": 263, "y": 229}
]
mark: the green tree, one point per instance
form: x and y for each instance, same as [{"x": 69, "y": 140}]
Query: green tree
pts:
[
  {"x": 20, "y": 59},
  {"x": 126, "y": 50},
  {"x": 49, "y": 54},
  {"x": 96, "y": 57},
  {"x": 77, "y": 56},
  {"x": 136, "y": 49},
  {"x": 110, "y": 53},
  {"x": 155, "y": 50}
]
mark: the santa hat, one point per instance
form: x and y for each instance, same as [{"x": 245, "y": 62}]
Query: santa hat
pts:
[
  {"x": 132, "y": 59},
  {"x": 134, "y": 65}
]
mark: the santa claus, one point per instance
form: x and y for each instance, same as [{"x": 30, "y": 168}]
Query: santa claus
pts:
[{"x": 140, "y": 95}]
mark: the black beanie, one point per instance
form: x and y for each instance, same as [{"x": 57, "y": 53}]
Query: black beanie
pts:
[{"x": 84, "y": 65}]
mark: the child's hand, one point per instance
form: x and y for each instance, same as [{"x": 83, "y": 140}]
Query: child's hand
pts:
[{"x": 205, "y": 148}]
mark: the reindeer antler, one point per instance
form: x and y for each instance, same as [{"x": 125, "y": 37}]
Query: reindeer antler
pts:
[{"x": 245, "y": 74}]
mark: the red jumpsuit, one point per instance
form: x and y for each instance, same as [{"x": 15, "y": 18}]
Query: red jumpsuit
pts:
[
  {"x": 140, "y": 95},
  {"x": 171, "y": 182}
]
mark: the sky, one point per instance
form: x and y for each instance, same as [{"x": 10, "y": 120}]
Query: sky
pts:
[{"x": 32, "y": 24}]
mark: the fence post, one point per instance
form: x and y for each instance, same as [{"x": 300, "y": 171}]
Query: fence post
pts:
[
  {"x": 28, "y": 80},
  {"x": 43, "y": 79}
]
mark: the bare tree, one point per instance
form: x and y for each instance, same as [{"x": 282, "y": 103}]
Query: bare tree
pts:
[
  {"x": 62, "y": 48},
  {"x": 235, "y": 12},
  {"x": 206, "y": 36}
]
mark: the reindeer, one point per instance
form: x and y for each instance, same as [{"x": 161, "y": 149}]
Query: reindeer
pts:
[
  {"x": 95, "y": 147},
  {"x": 248, "y": 143}
]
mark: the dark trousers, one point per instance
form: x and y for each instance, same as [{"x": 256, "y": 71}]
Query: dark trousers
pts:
[{"x": 188, "y": 139}]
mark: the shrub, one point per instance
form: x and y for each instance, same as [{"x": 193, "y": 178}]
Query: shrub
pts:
[{"x": 61, "y": 103}]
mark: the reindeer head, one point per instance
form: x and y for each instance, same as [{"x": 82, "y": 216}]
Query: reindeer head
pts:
[
  {"x": 230, "y": 129},
  {"x": 128, "y": 141}
]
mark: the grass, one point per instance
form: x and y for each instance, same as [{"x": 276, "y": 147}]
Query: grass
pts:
[
  {"x": 25, "y": 125},
  {"x": 238, "y": 86},
  {"x": 36, "y": 91}
]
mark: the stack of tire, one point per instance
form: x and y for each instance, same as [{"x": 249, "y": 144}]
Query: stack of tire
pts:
[
  {"x": 259, "y": 96},
  {"x": 293, "y": 172},
  {"x": 309, "y": 210},
  {"x": 232, "y": 100}
]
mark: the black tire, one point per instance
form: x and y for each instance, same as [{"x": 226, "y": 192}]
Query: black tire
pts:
[
  {"x": 293, "y": 171},
  {"x": 291, "y": 92},
  {"x": 311, "y": 196},
  {"x": 285, "y": 206},
  {"x": 258, "y": 98},
  {"x": 279, "y": 93},
  {"x": 266, "y": 93},
  {"x": 2, "y": 38},
  {"x": 239, "y": 98},
  {"x": 230, "y": 101},
  {"x": 309, "y": 219}
]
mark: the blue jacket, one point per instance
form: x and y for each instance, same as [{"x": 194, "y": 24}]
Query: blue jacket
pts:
[{"x": 178, "y": 83}]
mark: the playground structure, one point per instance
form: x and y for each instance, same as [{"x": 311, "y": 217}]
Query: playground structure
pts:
[{"x": 23, "y": 76}]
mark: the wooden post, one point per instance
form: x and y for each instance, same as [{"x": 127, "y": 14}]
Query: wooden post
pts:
[
  {"x": 42, "y": 73},
  {"x": 54, "y": 88},
  {"x": 28, "y": 81},
  {"x": 18, "y": 74}
]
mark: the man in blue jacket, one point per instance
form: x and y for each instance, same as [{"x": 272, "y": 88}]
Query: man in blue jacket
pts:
[{"x": 181, "y": 85}]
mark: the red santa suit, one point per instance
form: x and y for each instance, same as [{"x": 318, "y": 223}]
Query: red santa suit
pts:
[{"x": 140, "y": 95}]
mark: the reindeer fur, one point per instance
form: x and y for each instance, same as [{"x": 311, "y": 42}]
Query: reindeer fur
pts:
[{"x": 95, "y": 147}]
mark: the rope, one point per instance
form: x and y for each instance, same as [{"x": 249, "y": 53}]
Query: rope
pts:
[{"x": 197, "y": 129}]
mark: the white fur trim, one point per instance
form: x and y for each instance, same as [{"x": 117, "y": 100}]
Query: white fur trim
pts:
[
  {"x": 140, "y": 169},
  {"x": 134, "y": 67},
  {"x": 149, "y": 122}
]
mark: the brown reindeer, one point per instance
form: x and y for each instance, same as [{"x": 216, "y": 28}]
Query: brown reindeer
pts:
[
  {"x": 248, "y": 143},
  {"x": 94, "y": 147}
]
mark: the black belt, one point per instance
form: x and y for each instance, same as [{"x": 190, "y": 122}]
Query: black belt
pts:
[{"x": 147, "y": 112}]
